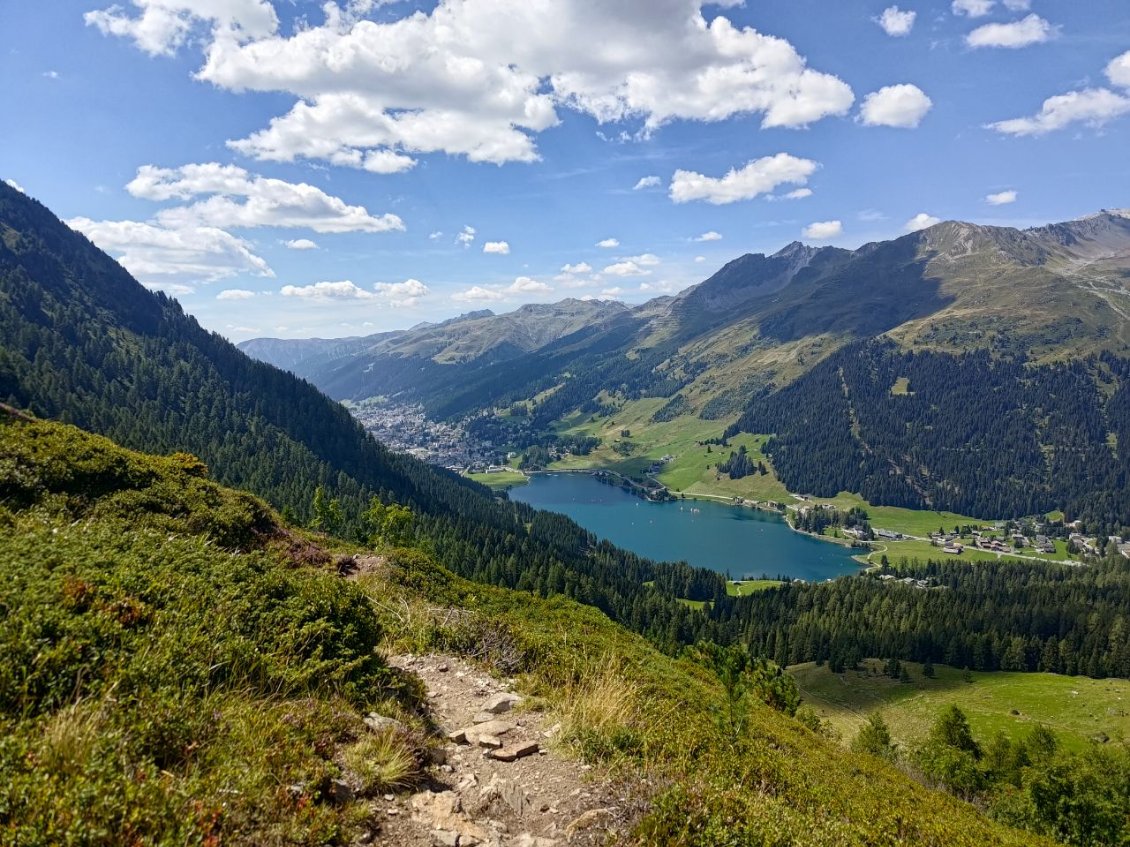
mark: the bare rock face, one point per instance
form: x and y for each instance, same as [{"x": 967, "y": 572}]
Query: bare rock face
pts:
[
  {"x": 513, "y": 752},
  {"x": 501, "y": 702}
]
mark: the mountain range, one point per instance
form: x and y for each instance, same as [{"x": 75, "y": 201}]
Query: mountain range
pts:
[{"x": 1050, "y": 292}]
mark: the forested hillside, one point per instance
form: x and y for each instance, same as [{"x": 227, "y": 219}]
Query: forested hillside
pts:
[
  {"x": 970, "y": 433},
  {"x": 84, "y": 343}
]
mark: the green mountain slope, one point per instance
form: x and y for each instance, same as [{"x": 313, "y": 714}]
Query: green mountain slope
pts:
[
  {"x": 82, "y": 342},
  {"x": 158, "y": 688}
]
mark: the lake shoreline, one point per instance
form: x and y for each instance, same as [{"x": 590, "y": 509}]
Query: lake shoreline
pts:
[
  {"x": 710, "y": 533},
  {"x": 720, "y": 499}
]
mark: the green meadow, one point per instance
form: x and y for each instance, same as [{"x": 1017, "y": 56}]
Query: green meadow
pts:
[{"x": 1077, "y": 709}]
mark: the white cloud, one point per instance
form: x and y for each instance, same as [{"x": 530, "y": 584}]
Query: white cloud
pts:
[
  {"x": 162, "y": 26},
  {"x": 1093, "y": 107},
  {"x": 1118, "y": 71},
  {"x": 500, "y": 248},
  {"x": 344, "y": 290},
  {"x": 235, "y": 294},
  {"x": 608, "y": 243},
  {"x": 921, "y": 221},
  {"x": 379, "y": 162},
  {"x": 1001, "y": 198},
  {"x": 972, "y": 8},
  {"x": 895, "y": 105},
  {"x": 645, "y": 259},
  {"x": 1030, "y": 30},
  {"x": 466, "y": 236},
  {"x": 625, "y": 268},
  {"x": 525, "y": 285},
  {"x": 50, "y": 74},
  {"x": 611, "y": 293},
  {"x": 476, "y": 294},
  {"x": 798, "y": 194},
  {"x": 896, "y": 22},
  {"x": 405, "y": 294},
  {"x": 454, "y": 79},
  {"x": 647, "y": 182},
  {"x": 239, "y": 199},
  {"x": 822, "y": 230},
  {"x": 11, "y": 183},
  {"x": 578, "y": 268},
  {"x": 435, "y": 236},
  {"x": 183, "y": 256},
  {"x": 759, "y": 176},
  {"x": 700, "y": 258},
  {"x": 662, "y": 286},
  {"x": 300, "y": 244},
  {"x": 871, "y": 215},
  {"x": 709, "y": 236},
  {"x": 1017, "y": 5}
]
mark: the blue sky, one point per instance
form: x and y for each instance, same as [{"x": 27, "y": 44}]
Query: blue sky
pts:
[{"x": 293, "y": 168}]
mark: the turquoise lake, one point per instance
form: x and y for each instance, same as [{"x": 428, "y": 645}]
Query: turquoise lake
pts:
[{"x": 734, "y": 540}]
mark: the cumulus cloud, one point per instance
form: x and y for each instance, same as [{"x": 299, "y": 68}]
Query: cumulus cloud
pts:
[
  {"x": 466, "y": 236},
  {"x": 822, "y": 230},
  {"x": 627, "y": 267},
  {"x": 477, "y": 294},
  {"x": 300, "y": 244},
  {"x": 1001, "y": 198},
  {"x": 1118, "y": 71},
  {"x": 1092, "y": 106},
  {"x": 611, "y": 293},
  {"x": 700, "y": 258},
  {"x": 161, "y": 26},
  {"x": 1030, "y": 30},
  {"x": 972, "y": 8},
  {"x": 759, "y": 176},
  {"x": 921, "y": 221},
  {"x": 647, "y": 182},
  {"x": 709, "y": 236},
  {"x": 608, "y": 243},
  {"x": 662, "y": 286},
  {"x": 344, "y": 290},
  {"x": 895, "y": 105},
  {"x": 797, "y": 194},
  {"x": 11, "y": 183},
  {"x": 183, "y": 256},
  {"x": 238, "y": 199},
  {"x": 404, "y": 294},
  {"x": 235, "y": 294},
  {"x": 500, "y": 248},
  {"x": 526, "y": 285},
  {"x": 578, "y": 268},
  {"x": 896, "y": 22},
  {"x": 375, "y": 93}
]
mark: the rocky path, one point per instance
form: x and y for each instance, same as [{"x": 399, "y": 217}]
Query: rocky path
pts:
[{"x": 499, "y": 781}]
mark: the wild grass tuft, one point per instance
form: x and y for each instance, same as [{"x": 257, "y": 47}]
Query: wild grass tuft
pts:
[
  {"x": 381, "y": 761},
  {"x": 601, "y": 713}
]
